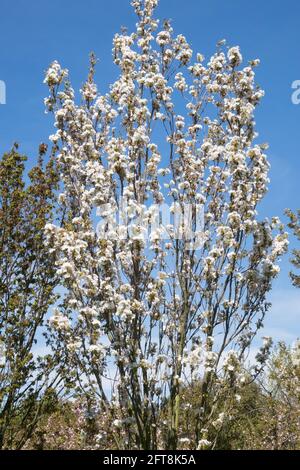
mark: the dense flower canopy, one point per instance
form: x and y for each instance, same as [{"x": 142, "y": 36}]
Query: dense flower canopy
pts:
[{"x": 145, "y": 312}]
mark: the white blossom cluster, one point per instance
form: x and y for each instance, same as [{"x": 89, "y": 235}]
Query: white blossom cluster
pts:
[{"x": 153, "y": 311}]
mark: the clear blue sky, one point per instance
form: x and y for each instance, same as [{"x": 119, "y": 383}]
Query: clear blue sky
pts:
[{"x": 33, "y": 33}]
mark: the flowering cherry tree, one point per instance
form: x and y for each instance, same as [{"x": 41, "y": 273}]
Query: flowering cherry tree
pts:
[{"x": 146, "y": 312}]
